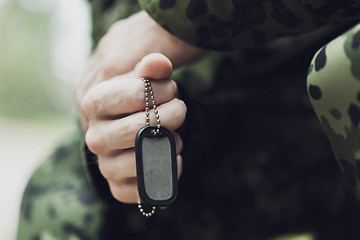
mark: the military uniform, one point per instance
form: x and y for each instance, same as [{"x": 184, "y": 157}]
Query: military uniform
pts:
[{"x": 256, "y": 161}]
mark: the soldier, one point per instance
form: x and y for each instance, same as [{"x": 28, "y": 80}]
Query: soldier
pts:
[{"x": 255, "y": 162}]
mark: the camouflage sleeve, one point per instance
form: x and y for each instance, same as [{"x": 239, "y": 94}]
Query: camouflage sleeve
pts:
[
  {"x": 229, "y": 24},
  {"x": 106, "y": 12},
  {"x": 334, "y": 90}
]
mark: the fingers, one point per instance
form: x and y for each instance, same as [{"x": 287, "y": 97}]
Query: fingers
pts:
[
  {"x": 154, "y": 66},
  {"x": 122, "y": 96},
  {"x": 105, "y": 137},
  {"x": 114, "y": 111},
  {"x": 125, "y": 94},
  {"x": 122, "y": 165},
  {"x": 125, "y": 190}
]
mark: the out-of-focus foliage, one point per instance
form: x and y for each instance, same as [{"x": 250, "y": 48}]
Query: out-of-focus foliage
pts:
[
  {"x": 295, "y": 237},
  {"x": 28, "y": 88}
]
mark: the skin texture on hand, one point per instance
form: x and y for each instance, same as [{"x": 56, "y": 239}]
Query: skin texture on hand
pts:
[
  {"x": 111, "y": 100},
  {"x": 114, "y": 109},
  {"x": 125, "y": 44}
]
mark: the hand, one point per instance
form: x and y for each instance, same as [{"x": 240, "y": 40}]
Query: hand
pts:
[
  {"x": 125, "y": 44},
  {"x": 114, "y": 109}
]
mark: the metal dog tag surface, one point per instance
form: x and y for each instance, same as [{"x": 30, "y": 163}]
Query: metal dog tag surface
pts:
[{"x": 156, "y": 166}]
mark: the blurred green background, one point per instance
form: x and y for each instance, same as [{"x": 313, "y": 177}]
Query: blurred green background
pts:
[
  {"x": 44, "y": 45},
  {"x": 43, "y": 48},
  {"x": 25, "y": 76},
  {"x": 29, "y": 89}
]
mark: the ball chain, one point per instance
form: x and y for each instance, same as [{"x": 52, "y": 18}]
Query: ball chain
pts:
[{"x": 149, "y": 95}]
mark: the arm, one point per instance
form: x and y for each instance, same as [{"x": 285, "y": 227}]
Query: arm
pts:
[
  {"x": 110, "y": 82},
  {"x": 229, "y": 24},
  {"x": 119, "y": 50}
]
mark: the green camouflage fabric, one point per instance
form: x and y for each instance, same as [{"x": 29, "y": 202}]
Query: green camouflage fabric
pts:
[
  {"x": 57, "y": 203},
  {"x": 107, "y": 12},
  {"x": 231, "y": 24},
  {"x": 257, "y": 164},
  {"x": 334, "y": 89}
]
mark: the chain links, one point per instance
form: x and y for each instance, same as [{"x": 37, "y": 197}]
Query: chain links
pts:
[
  {"x": 149, "y": 95},
  {"x": 142, "y": 211}
]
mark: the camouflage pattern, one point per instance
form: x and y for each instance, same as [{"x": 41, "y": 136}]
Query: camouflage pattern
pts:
[
  {"x": 57, "y": 203},
  {"x": 334, "y": 89},
  {"x": 257, "y": 164},
  {"x": 106, "y": 12},
  {"x": 244, "y": 23}
]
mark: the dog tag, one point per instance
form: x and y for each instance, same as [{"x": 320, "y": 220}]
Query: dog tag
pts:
[{"x": 156, "y": 166}]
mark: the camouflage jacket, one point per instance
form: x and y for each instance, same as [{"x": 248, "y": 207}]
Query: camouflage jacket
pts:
[
  {"x": 231, "y": 24},
  {"x": 277, "y": 141},
  {"x": 265, "y": 171}
]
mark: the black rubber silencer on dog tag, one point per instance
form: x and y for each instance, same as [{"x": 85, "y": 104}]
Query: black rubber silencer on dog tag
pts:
[{"x": 156, "y": 166}]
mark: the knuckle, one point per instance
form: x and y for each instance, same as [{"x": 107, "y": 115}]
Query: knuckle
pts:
[
  {"x": 86, "y": 105},
  {"x": 179, "y": 111},
  {"x": 122, "y": 191},
  {"x": 173, "y": 89},
  {"x": 92, "y": 103},
  {"x": 120, "y": 196},
  {"x": 104, "y": 169},
  {"x": 93, "y": 141}
]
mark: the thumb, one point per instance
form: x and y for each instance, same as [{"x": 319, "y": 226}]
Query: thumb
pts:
[{"x": 154, "y": 66}]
